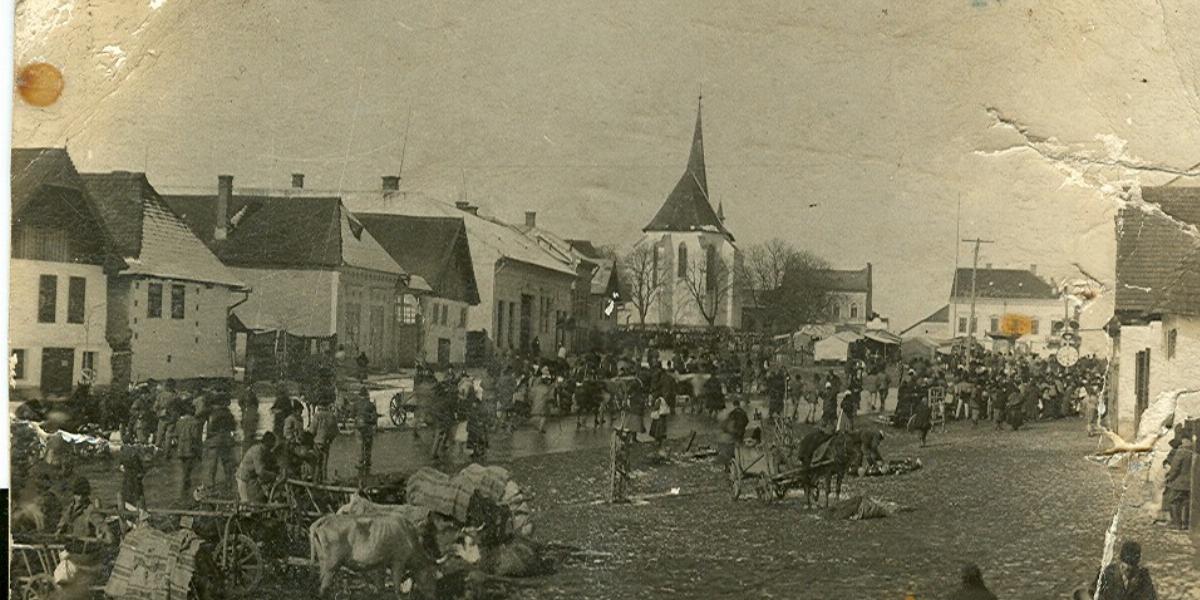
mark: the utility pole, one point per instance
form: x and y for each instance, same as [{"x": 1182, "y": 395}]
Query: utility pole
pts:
[{"x": 974, "y": 278}]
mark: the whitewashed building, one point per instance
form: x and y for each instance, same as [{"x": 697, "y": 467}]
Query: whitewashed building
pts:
[
  {"x": 1156, "y": 323},
  {"x": 694, "y": 253}
]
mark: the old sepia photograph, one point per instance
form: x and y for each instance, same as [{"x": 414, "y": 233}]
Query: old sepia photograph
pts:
[{"x": 555, "y": 299}]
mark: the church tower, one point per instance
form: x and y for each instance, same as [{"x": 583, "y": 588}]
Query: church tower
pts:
[{"x": 694, "y": 252}]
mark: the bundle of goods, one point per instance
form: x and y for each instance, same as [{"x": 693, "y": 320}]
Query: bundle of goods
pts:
[
  {"x": 859, "y": 508},
  {"x": 891, "y": 467},
  {"x": 451, "y": 496},
  {"x": 153, "y": 565}
]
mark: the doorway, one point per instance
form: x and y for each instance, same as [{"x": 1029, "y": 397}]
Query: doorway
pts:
[
  {"x": 58, "y": 369},
  {"x": 1141, "y": 386}
]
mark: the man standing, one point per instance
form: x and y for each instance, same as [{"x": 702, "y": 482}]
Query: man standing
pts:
[
  {"x": 829, "y": 403},
  {"x": 220, "y": 441},
  {"x": 324, "y": 430},
  {"x": 164, "y": 399},
  {"x": 188, "y": 433},
  {"x": 255, "y": 470},
  {"x": 366, "y": 419},
  {"x": 1179, "y": 483},
  {"x": 733, "y": 431},
  {"x": 248, "y": 405}
]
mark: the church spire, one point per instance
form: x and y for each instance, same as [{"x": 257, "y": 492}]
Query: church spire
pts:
[{"x": 688, "y": 207}]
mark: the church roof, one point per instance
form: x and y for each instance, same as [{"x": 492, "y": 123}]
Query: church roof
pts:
[{"x": 688, "y": 207}]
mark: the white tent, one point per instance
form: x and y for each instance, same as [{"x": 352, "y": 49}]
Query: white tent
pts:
[{"x": 836, "y": 346}]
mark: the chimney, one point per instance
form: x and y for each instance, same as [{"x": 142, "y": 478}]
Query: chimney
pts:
[
  {"x": 224, "y": 197},
  {"x": 465, "y": 206},
  {"x": 1033, "y": 269},
  {"x": 530, "y": 219},
  {"x": 391, "y": 183},
  {"x": 298, "y": 180}
]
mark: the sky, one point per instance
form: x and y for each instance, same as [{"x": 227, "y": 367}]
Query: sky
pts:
[{"x": 909, "y": 125}]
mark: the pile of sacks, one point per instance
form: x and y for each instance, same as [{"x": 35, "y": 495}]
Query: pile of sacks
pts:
[{"x": 451, "y": 496}]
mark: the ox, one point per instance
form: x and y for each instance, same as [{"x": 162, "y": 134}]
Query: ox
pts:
[{"x": 372, "y": 541}]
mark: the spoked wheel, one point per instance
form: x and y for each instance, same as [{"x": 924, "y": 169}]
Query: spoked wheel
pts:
[
  {"x": 397, "y": 410},
  {"x": 735, "y": 478},
  {"x": 241, "y": 563}
]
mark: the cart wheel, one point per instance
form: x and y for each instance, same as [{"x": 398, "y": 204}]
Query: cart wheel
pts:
[
  {"x": 241, "y": 563},
  {"x": 397, "y": 410},
  {"x": 735, "y": 478}
]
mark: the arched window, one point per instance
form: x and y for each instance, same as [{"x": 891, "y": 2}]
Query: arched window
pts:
[
  {"x": 853, "y": 310},
  {"x": 682, "y": 268},
  {"x": 837, "y": 311},
  {"x": 654, "y": 268},
  {"x": 711, "y": 276}
]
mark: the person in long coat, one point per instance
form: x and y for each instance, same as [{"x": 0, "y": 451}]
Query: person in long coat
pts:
[
  {"x": 714, "y": 395},
  {"x": 540, "y": 393},
  {"x": 922, "y": 420}
]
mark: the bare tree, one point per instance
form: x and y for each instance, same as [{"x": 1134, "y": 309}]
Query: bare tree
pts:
[
  {"x": 708, "y": 281},
  {"x": 641, "y": 280},
  {"x": 788, "y": 287}
]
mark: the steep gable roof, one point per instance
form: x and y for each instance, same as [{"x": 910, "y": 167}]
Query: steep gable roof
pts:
[
  {"x": 1158, "y": 254},
  {"x": 1012, "y": 284},
  {"x": 47, "y": 191},
  {"x": 688, "y": 207},
  {"x": 315, "y": 232},
  {"x": 941, "y": 315},
  {"x": 151, "y": 238},
  {"x": 435, "y": 248},
  {"x": 487, "y": 237}
]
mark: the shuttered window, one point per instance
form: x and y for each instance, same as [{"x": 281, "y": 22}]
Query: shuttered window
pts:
[
  {"x": 47, "y": 298},
  {"x": 76, "y": 299}
]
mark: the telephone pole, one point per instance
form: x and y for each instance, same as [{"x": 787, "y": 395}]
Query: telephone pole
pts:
[{"x": 974, "y": 278}]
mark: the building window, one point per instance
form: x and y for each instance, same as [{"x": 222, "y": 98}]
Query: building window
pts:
[
  {"x": 89, "y": 362},
  {"x": 76, "y": 299},
  {"x": 512, "y": 308},
  {"x": 962, "y": 324},
  {"x": 408, "y": 309},
  {"x": 18, "y": 364},
  {"x": 837, "y": 311},
  {"x": 853, "y": 310},
  {"x": 47, "y": 298},
  {"x": 711, "y": 274},
  {"x": 177, "y": 301},
  {"x": 994, "y": 324},
  {"x": 462, "y": 318},
  {"x": 353, "y": 322},
  {"x": 1172, "y": 339},
  {"x": 654, "y": 268},
  {"x": 499, "y": 323},
  {"x": 682, "y": 267},
  {"x": 154, "y": 301},
  {"x": 1033, "y": 326}
]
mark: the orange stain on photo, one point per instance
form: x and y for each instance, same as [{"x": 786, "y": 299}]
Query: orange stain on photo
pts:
[{"x": 40, "y": 84}]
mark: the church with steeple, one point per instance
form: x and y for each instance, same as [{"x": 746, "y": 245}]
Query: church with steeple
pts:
[{"x": 694, "y": 253}]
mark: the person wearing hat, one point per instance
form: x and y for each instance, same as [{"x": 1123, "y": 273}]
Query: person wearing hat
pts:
[
  {"x": 1125, "y": 579},
  {"x": 540, "y": 394},
  {"x": 74, "y": 519},
  {"x": 219, "y": 443},
  {"x": 324, "y": 429},
  {"x": 188, "y": 439},
  {"x": 366, "y": 419},
  {"x": 1179, "y": 482}
]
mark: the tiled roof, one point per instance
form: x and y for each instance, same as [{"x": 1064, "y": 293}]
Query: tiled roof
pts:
[
  {"x": 1013, "y": 284},
  {"x": 486, "y": 237},
  {"x": 1158, "y": 256},
  {"x": 688, "y": 207},
  {"x": 286, "y": 232},
  {"x": 435, "y": 248},
  {"x": 151, "y": 238},
  {"x": 46, "y": 189}
]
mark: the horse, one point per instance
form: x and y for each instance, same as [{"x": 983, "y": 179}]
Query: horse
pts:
[{"x": 838, "y": 456}]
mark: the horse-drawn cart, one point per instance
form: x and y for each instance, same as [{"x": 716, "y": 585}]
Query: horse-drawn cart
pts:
[{"x": 758, "y": 468}]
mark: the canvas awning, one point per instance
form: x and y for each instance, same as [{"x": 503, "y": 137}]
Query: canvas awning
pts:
[{"x": 881, "y": 336}]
